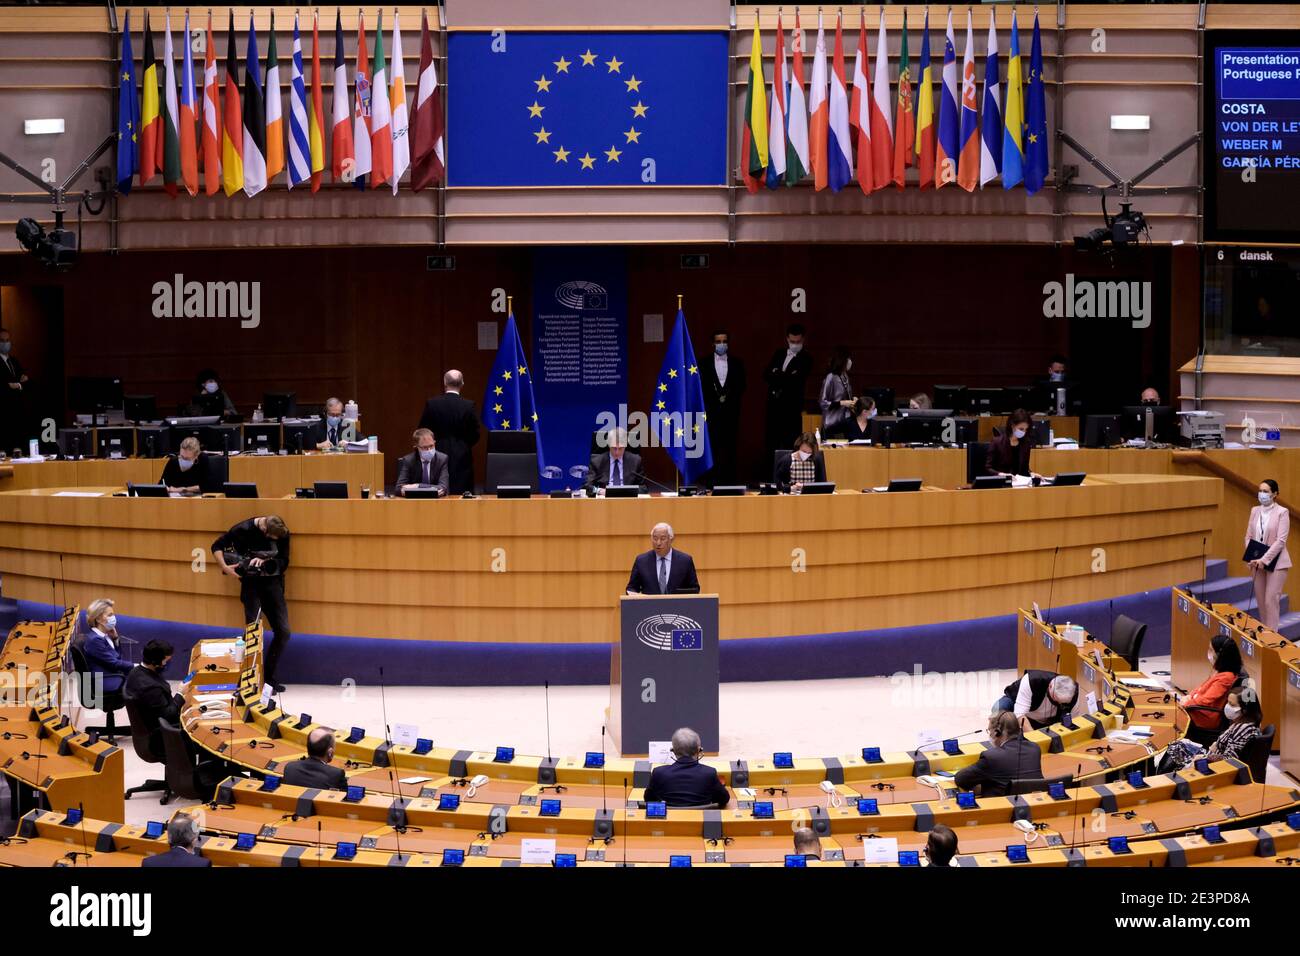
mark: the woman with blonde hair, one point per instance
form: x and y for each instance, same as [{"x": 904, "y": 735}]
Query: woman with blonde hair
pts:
[{"x": 101, "y": 645}]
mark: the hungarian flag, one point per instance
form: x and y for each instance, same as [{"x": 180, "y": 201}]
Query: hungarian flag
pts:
[
  {"x": 991, "y": 115},
  {"x": 427, "y": 130},
  {"x": 274, "y": 146},
  {"x": 128, "y": 114},
  {"x": 776, "y": 147},
  {"x": 316, "y": 112},
  {"x": 925, "y": 111},
  {"x": 344, "y": 159},
  {"x": 969, "y": 168},
  {"x": 150, "y": 121},
  {"x": 211, "y": 109},
  {"x": 946, "y": 155},
  {"x": 299, "y": 143},
  {"x": 818, "y": 111},
  {"x": 860, "y": 109},
  {"x": 254, "y": 120},
  {"x": 839, "y": 150},
  {"x": 882, "y": 126},
  {"x": 381, "y": 120},
  {"x": 796, "y": 114},
  {"x": 189, "y": 127},
  {"x": 904, "y": 130},
  {"x": 232, "y": 125},
  {"x": 397, "y": 106},
  {"x": 361, "y": 114},
  {"x": 753, "y": 140}
]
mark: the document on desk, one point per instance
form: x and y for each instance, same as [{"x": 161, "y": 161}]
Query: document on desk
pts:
[
  {"x": 881, "y": 850},
  {"x": 537, "y": 851},
  {"x": 218, "y": 648},
  {"x": 1021, "y": 481},
  {"x": 405, "y": 734},
  {"x": 1145, "y": 683},
  {"x": 661, "y": 751},
  {"x": 928, "y": 738},
  {"x": 78, "y": 494}
]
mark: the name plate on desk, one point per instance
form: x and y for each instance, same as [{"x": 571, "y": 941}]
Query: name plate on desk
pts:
[
  {"x": 1047, "y": 640},
  {"x": 1202, "y": 618},
  {"x": 1029, "y": 626},
  {"x": 1088, "y": 673},
  {"x": 1184, "y": 605},
  {"x": 1247, "y": 647},
  {"x": 1224, "y": 629}
]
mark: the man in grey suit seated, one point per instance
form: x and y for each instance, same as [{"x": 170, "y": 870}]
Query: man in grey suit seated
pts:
[
  {"x": 423, "y": 468},
  {"x": 617, "y": 466},
  {"x": 314, "y": 770}
]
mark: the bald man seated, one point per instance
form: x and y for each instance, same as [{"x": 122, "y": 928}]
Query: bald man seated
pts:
[
  {"x": 663, "y": 569},
  {"x": 314, "y": 770}
]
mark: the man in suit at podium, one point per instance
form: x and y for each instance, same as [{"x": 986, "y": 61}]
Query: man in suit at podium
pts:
[
  {"x": 314, "y": 770},
  {"x": 663, "y": 569},
  {"x": 617, "y": 466},
  {"x": 455, "y": 422},
  {"x": 686, "y": 782}
]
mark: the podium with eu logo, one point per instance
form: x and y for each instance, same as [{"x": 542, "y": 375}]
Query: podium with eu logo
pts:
[{"x": 664, "y": 670}]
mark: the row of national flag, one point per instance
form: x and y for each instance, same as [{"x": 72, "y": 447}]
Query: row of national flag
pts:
[
  {"x": 182, "y": 132},
  {"x": 838, "y": 133}
]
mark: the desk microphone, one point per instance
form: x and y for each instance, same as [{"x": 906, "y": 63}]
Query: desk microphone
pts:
[
  {"x": 546, "y": 685},
  {"x": 319, "y": 840},
  {"x": 1052, "y": 587},
  {"x": 604, "y": 807},
  {"x": 625, "y": 794},
  {"x": 1205, "y": 568},
  {"x": 85, "y": 845},
  {"x": 1074, "y": 810},
  {"x": 661, "y": 487}
]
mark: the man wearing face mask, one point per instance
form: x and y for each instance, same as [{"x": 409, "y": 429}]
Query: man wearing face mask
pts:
[
  {"x": 13, "y": 382},
  {"x": 1150, "y": 396},
  {"x": 786, "y": 375},
  {"x": 1266, "y": 532},
  {"x": 723, "y": 380},
  {"x": 188, "y": 473},
  {"x": 423, "y": 468},
  {"x": 210, "y": 398},
  {"x": 1009, "y": 453},
  {"x": 329, "y": 432}
]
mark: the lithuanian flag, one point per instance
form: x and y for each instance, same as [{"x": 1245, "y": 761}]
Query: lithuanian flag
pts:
[{"x": 753, "y": 144}]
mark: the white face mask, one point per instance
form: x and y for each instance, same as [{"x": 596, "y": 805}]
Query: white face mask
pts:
[
  {"x": 110, "y": 621},
  {"x": 1265, "y": 498},
  {"x": 185, "y": 463},
  {"x": 848, "y": 366},
  {"x": 210, "y": 387},
  {"x": 1232, "y": 713},
  {"x": 1211, "y": 657},
  {"x": 426, "y": 454},
  {"x": 720, "y": 348},
  {"x": 803, "y": 455},
  {"x": 1019, "y": 433},
  {"x": 871, "y": 413},
  {"x": 1056, "y": 376},
  {"x": 794, "y": 346}
]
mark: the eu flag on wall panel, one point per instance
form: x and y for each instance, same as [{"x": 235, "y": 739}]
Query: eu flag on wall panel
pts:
[
  {"x": 677, "y": 415},
  {"x": 508, "y": 403},
  {"x": 587, "y": 109}
]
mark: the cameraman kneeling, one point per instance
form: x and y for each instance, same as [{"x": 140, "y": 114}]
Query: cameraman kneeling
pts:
[{"x": 257, "y": 552}]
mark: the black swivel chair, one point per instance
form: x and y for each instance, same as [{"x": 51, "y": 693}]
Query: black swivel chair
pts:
[
  {"x": 112, "y": 700},
  {"x": 1036, "y": 784},
  {"x": 218, "y": 472},
  {"x": 511, "y": 460},
  {"x": 140, "y": 740},
  {"x": 187, "y": 776},
  {"x": 1126, "y": 637},
  {"x": 781, "y": 454},
  {"x": 1255, "y": 753},
  {"x": 977, "y": 456}
]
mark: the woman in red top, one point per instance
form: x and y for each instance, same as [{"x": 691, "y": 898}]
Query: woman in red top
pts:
[{"x": 1205, "y": 704}]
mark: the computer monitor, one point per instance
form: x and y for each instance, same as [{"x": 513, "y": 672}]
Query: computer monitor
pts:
[
  {"x": 1101, "y": 431},
  {"x": 950, "y": 396},
  {"x": 239, "y": 489},
  {"x": 94, "y": 393},
  {"x": 884, "y": 430},
  {"x": 729, "y": 491},
  {"x": 152, "y": 441},
  {"x": 331, "y": 489},
  {"x": 1017, "y": 396},
  {"x": 1040, "y": 429},
  {"x": 265, "y": 436},
  {"x": 429, "y": 492},
  {"x": 75, "y": 442},
  {"x": 622, "y": 491},
  {"x": 922, "y": 429},
  {"x": 514, "y": 491},
  {"x": 991, "y": 481},
  {"x": 146, "y": 491},
  {"x": 1164, "y": 424},
  {"x": 883, "y": 396},
  {"x": 139, "y": 408},
  {"x": 296, "y": 437},
  {"x": 982, "y": 401},
  {"x": 818, "y": 488},
  {"x": 501, "y": 442},
  {"x": 904, "y": 484},
  {"x": 219, "y": 438},
  {"x": 279, "y": 404},
  {"x": 1067, "y": 478},
  {"x": 114, "y": 442}
]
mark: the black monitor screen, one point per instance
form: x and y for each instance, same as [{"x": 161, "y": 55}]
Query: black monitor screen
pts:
[{"x": 88, "y": 394}]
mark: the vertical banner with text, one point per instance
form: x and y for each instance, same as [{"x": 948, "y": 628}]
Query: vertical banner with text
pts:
[{"x": 579, "y": 341}]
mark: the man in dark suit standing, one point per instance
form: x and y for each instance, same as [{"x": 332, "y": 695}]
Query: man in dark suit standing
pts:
[
  {"x": 1011, "y": 757},
  {"x": 786, "y": 375},
  {"x": 314, "y": 770},
  {"x": 425, "y": 467},
  {"x": 617, "y": 466},
  {"x": 723, "y": 380},
  {"x": 455, "y": 422},
  {"x": 686, "y": 782},
  {"x": 182, "y": 831},
  {"x": 662, "y": 569},
  {"x": 13, "y": 383}
]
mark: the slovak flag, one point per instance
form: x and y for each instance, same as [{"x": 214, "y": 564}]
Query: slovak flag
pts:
[
  {"x": 945, "y": 164},
  {"x": 839, "y": 148},
  {"x": 818, "y": 111},
  {"x": 969, "y": 167},
  {"x": 860, "y": 109}
]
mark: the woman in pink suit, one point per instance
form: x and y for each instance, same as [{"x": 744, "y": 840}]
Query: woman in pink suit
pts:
[{"x": 1269, "y": 523}]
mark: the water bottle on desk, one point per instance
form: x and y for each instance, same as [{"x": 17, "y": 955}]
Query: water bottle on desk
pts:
[
  {"x": 350, "y": 411},
  {"x": 258, "y": 415},
  {"x": 238, "y": 653}
]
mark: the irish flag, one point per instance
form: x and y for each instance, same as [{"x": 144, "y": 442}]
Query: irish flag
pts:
[
  {"x": 818, "y": 112},
  {"x": 753, "y": 140},
  {"x": 274, "y": 117}
]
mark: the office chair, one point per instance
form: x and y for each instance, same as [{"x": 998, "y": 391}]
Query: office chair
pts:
[
  {"x": 144, "y": 750},
  {"x": 1126, "y": 636},
  {"x": 113, "y": 700}
]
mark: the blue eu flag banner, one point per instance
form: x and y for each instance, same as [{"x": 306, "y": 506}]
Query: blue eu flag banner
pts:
[
  {"x": 128, "y": 115},
  {"x": 508, "y": 403},
  {"x": 1036, "y": 143},
  {"x": 587, "y": 109},
  {"x": 678, "y": 420}
]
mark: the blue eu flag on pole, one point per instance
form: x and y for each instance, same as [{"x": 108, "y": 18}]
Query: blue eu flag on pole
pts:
[
  {"x": 677, "y": 415},
  {"x": 1036, "y": 119},
  {"x": 128, "y": 115},
  {"x": 508, "y": 403}
]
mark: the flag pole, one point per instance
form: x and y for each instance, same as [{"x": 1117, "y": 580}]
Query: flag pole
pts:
[
  {"x": 677, "y": 473},
  {"x": 510, "y": 305}
]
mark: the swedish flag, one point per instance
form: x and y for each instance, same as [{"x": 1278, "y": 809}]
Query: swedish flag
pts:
[
  {"x": 508, "y": 403},
  {"x": 677, "y": 415}
]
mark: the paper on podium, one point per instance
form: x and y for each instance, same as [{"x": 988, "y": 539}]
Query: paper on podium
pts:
[{"x": 882, "y": 850}]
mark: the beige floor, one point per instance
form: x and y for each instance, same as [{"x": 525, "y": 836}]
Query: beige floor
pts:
[{"x": 808, "y": 718}]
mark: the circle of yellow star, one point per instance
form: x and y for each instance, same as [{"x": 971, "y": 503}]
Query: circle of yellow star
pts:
[
  {"x": 663, "y": 387},
  {"x": 639, "y": 109},
  {"x": 692, "y": 370},
  {"x": 613, "y": 63},
  {"x": 505, "y": 424},
  {"x": 562, "y": 65},
  {"x": 561, "y": 154},
  {"x": 672, "y": 373},
  {"x": 543, "y": 135},
  {"x": 588, "y": 58},
  {"x": 543, "y": 85},
  {"x": 506, "y": 375},
  {"x": 535, "y": 110},
  {"x": 497, "y": 409},
  {"x": 522, "y": 370},
  {"x": 612, "y": 155},
  {"x": 633, "y": 85},
  {"x": 588, "y": 161},
  {"x": 496, "y": 390},
  {"x": 633, "y": 135},
  {"x": 660, "y": 405}
]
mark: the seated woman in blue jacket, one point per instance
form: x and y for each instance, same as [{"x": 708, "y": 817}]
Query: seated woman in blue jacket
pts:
[{"x": 100, "y": 645}]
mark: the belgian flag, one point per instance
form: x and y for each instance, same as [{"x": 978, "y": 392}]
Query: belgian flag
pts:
[{"x": 151, "y": 145}]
